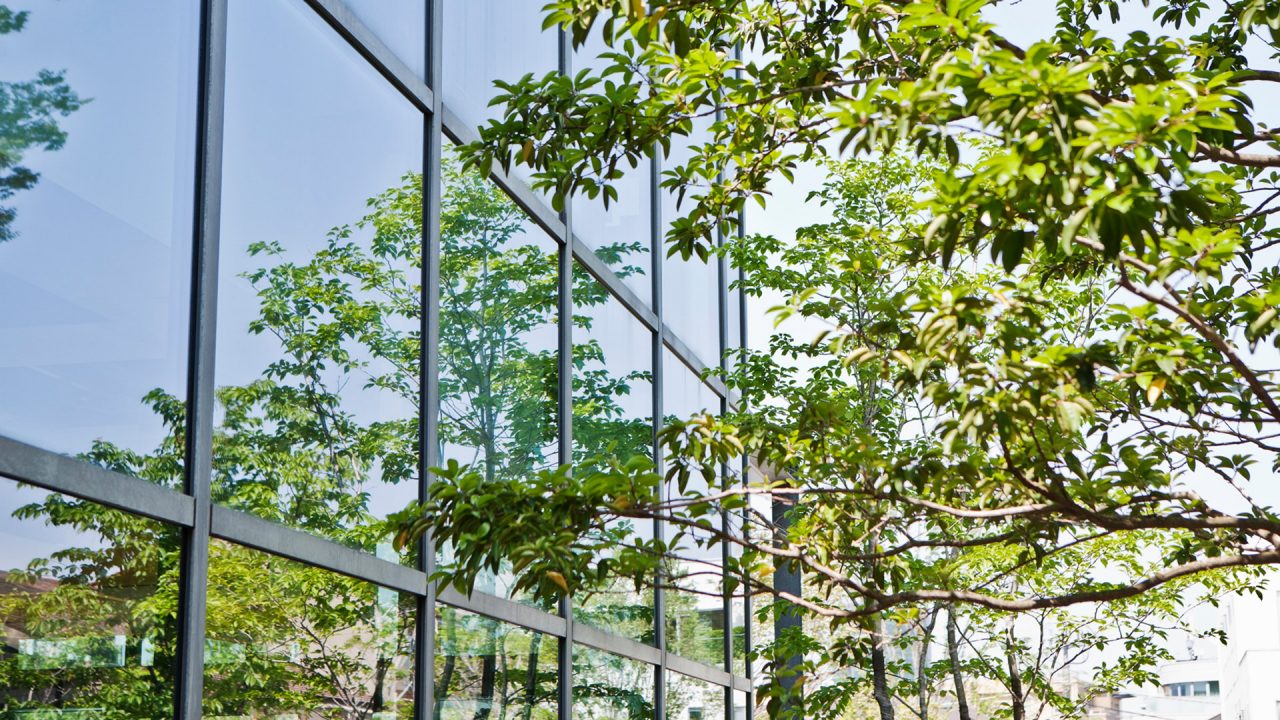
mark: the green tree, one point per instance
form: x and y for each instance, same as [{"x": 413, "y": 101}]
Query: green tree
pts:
[
  {"x": 1108, "y": 364},
  {"x": 898, "y": 513}
]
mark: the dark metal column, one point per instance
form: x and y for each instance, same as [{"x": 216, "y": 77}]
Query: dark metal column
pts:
[
  {"x": 429, "y": 372},
  {"x": 200, "y": 357},
  {"x": 659, "y": 533},
  {"x": 565, "y": 385}
]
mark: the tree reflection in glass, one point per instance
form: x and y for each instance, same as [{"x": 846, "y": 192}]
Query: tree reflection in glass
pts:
[
  {"x": 486, "y": 669},
  {"x": 308, "y": 642},
  {"x": 612, "y": 416},
  {"x": 611, "y": 687},
  {"x": 690, "y": 699},
  {"x": 88, "y": 597}
]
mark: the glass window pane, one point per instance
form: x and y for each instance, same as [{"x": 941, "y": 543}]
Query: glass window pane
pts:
[
  {"x": 499, "y": 291},
  {"x": 402, "y": 26},
  {"x": 612, "y": 415},
  {"x": 490, "y": 669},
  {"x": 96, "y": 191},
  {"x": 733, "y": 319},
  {"x": 88, "y": 597},
  {"x": 737, "y": 600},
  {"x": 695, "y": 617},
  {"x": 690, "y": 699},
  {"x": 621, "y": 233},
  {"x": 690, "y": 288},
  {"x": 611, "y": 687},
  {"x": 317, "y": 366},
  {"x": 488, "y": 40},
  {"x": 285, "y": 639},
  {"x": 741, "y": 706},
  {"x": 613, "y": 374}
]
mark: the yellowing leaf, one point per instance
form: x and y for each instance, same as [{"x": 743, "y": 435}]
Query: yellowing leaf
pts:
[
  {"x": 1155, "y": 389},
  {"x": 559, "y": 580}
]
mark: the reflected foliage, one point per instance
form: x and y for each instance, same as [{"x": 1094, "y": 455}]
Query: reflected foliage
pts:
[
  {"x": 29, "y": 112},
  {"x": 88, "y": 629},
  {"x": 308, "y": 642},
  {"x": 611, "y": 687},
  {"x": 613, "y": 409},
  {"x": 288, "y": 639},
  {"x": 488, "y": 670},
  {"x": 690, "y": 699}
]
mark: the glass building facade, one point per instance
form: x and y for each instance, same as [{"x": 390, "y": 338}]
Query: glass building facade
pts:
[{"x": 248, "y": 295}]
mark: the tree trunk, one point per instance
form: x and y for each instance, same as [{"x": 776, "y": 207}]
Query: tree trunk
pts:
[
  {"x": 531, "y": 678},
  {"x": 450, "y": 661},
  {"x": 1015, "y": 677},
  {"x": 488, "y": 671},
  {"x": 879, "y": 673},
  {"x": 953, "y": 653},
  {"x": 922, "y": 662}
]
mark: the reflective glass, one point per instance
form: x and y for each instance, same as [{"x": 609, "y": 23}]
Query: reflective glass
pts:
[
  {"x": 97, "y": 126},
  {"x": 612, "y": 415},
  {"x": 741, "y": 706},
  {"x": 737, "y": 599},
  {"x": 611, "y": 687},
  {"x": 401, "y": 25},
  {"x": 490, "y": 669},
  {"x": 621, "y": 233},
  {"x": 690, "y": 699},
  {"x": 317, "y": 367},
  {"x": 613, "y": 374},
  {"x": 488, "y": 40},
  {"x": 288, "y": 640},
  {"x": 499, "y": 291},
  {"x": 695, "y": 618},
  {"x": 88, "y": 601},
  {"x": 690, "y": 288},
  {"x": 733, "y": 319}
]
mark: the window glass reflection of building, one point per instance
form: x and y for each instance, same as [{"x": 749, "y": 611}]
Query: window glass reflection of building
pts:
[
  {"x": 490, "y": 669},
  {"x": 692, "y": 699},
  {"x": 611, "y": 687}
]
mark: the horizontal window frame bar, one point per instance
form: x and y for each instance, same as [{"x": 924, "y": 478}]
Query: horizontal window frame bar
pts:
[
  {"x": 258, "y": 533},
  {"x": 51, "y": 471},
  {"x": 598, "y": 639},
  {"x": 706, "y": 673},
  {"x": 380, "y": 57},
  {"x": 504, "y": 610},
  {"x": 72, "y": 476}
]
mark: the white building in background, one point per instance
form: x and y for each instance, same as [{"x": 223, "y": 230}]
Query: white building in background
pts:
[
  {"x": 1250, "y": 660},
  {"x": 1189, "y": 690},
  {"x": 1189, "y": 686}
]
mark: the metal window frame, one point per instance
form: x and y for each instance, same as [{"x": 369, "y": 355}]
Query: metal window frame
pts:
[{"x": 192, "y": 509}]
